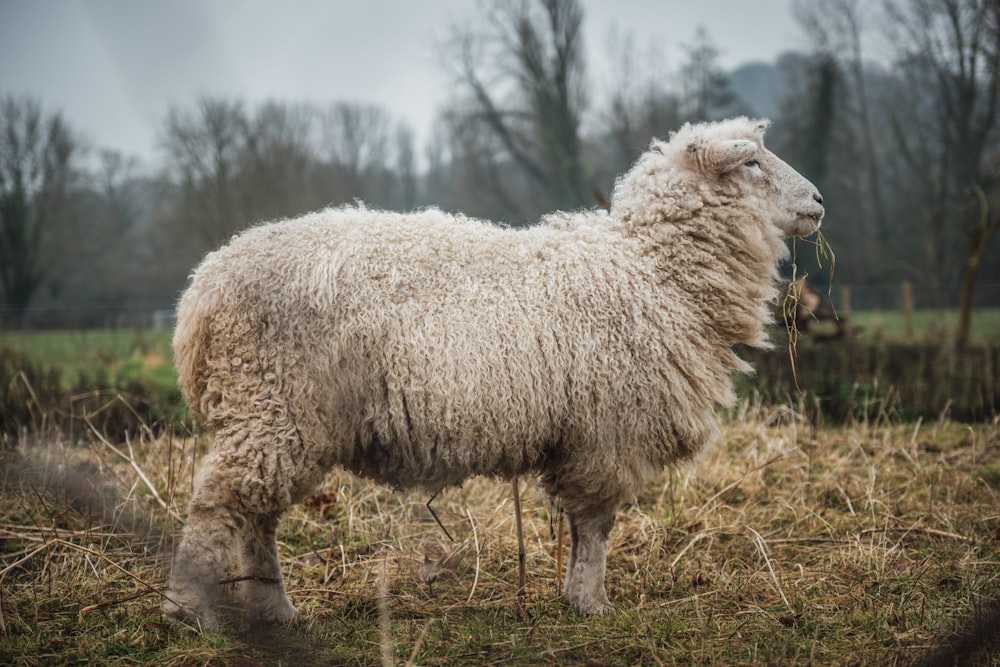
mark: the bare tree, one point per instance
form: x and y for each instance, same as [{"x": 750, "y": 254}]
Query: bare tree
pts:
[
  {"x": 522, "y": 83},
  {"x": 280, "y": 169},
  {"x": 232, "y": 168},
  {"x": 406, "y": 169},
  {"x": 837, "y": 27},
  {"x": 704, "y": 86},
  {"x": 206, "y": 148},
  {"x": 640, "y": 105},
  {"x": 38, "y": 175},
  {"x": 357, "y": 139},
  {"x": 112, "y": 255},
  {"x": 951, "y": 48}
]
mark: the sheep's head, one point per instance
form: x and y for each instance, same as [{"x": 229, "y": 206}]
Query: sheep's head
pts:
[
  {"x": 728, "y": 158},
  {"x": 738, "y": 157}
]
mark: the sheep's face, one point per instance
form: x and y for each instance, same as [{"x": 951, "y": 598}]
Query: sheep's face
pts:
[{"x": 794, "y": 204}]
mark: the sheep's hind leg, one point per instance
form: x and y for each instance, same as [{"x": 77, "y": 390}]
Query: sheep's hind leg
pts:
[
  {"x": 588, "y": 561},
  {"x": 203, "y": 552},
  {"x": 574, "y": 540},
  {"x": 264, "y": 592}
]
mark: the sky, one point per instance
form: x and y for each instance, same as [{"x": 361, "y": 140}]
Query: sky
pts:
[{"x": 114, "y": 67}]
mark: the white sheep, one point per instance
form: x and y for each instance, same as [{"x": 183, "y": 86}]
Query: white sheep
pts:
[{"x": 420, "y": 349}]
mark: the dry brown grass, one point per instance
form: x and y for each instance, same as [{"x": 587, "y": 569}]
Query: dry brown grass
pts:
[{"x": 876, "y": 543}]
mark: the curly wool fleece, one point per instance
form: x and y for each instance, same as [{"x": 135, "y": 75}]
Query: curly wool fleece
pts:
[{"x": 419, "y": 349}]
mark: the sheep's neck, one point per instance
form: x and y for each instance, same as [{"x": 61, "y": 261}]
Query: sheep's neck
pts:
[{"x": 726, "y": 268}]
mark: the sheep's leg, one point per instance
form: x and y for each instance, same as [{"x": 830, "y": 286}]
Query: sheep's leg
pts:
[
  {"x": 587, "y": 562},
  {"x": 574, "y": 539},
  {"x": 203, "y": 551},
  {"x": 264, "y": 593}
]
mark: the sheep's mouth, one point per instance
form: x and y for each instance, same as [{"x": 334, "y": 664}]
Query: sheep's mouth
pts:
[{"x": 806, "y": 224}]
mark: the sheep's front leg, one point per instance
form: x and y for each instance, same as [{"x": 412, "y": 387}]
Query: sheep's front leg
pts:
[
  {"x": 263, "y": 594},
  {"x": 588, "y": 560}
]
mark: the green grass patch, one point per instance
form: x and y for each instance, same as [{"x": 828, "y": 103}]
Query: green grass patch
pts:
[
  {"x": 119, "y": 355},
  {"x": 118, "y": 380},
  {"x": 934, "y": 325}
]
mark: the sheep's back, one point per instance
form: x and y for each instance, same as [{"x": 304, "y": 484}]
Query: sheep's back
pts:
[{"x": 325, "y": 289}]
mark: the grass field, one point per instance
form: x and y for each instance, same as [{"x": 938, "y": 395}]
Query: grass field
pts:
[
  {"x": 787, "y": 544},
  {"x": 121, "y": 354},
  {"x": 875, "y": 544},
  {"x": 927, "y": 324}
]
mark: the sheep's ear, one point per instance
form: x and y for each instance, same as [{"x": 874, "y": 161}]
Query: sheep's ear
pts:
[{"x": 719, "y": 157}]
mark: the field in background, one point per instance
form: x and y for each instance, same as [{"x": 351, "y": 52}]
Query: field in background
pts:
[
  {"x": 119, "y": 355},
  {"x": 928, "y": 325},
  {"x": 118, "y": 381}
]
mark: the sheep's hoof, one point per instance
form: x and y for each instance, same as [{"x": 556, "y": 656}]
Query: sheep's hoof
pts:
[
  {"x": 202, "y": 619},
  {"x": 278, "y": 612},
  {"x": 598, "y": 609},
  {"x": 267, "y": 603},
  {"x": 597, "y": 606}
]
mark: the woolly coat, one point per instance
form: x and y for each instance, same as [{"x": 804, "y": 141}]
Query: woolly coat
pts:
[{"x": 419, "y": 349}]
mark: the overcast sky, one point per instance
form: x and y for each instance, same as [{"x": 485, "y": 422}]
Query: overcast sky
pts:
[{"x": 114, "y": 67}]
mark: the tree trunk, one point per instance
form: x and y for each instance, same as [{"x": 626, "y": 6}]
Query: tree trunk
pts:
[
  {"x": 985, "y": 231},
  {"x": 965, "y": 307}
]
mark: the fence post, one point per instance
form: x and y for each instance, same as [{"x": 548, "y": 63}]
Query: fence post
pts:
[
  {"x": 844, "y": 312},
  {"x": 908, "y": 308}
]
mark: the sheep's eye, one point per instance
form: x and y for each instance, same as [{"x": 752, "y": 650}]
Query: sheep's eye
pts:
[{"x": 752, "y": 163}]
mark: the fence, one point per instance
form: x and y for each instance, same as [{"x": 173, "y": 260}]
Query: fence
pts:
[
  {"x": 894, "y": 296},
  {"x": 157, "y": 314}
]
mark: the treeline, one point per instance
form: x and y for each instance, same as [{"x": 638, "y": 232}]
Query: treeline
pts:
[{"x": 905, "y": 150}]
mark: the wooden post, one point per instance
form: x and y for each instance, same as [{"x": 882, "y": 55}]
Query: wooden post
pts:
[
  {"x": 908, "y": 308},
  {"x": 844, "y": 311}
]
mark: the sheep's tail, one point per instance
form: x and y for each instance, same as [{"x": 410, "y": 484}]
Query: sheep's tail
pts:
[{"x": 192, "y": 335}]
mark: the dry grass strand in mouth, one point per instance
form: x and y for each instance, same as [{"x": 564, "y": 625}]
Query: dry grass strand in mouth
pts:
[{"x": 790, "y": 299}]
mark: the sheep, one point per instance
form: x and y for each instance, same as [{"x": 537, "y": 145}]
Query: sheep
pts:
[{"x": 419, "y": 349}]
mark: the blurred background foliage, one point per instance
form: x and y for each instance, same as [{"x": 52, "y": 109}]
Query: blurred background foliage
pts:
[{"x": 905, "y": 150}]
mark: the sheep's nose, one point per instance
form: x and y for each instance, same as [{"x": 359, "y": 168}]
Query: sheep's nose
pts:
[{"x": 818, "y": 197}]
